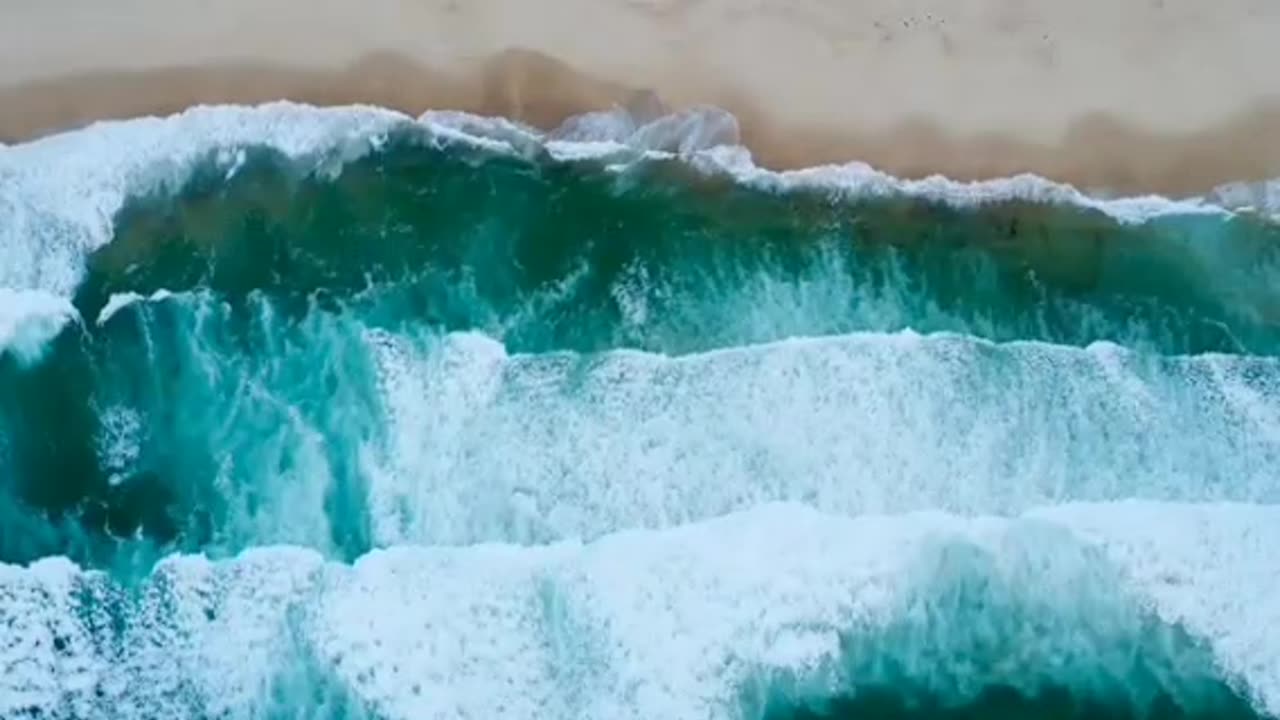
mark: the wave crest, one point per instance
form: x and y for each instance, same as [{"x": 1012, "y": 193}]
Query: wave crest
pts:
[
  {"x": 61, "y": 192},
  {"x": 778, "y": 605}
]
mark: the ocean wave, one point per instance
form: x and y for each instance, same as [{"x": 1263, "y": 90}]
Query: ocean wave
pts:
[
  {"x": 61, "y": 192},
  {"x": 199, "y": 424},
  {"x": 547, "y": 255},
  {"x": 467, "y": 419},
  {"x": 1127, "y": 604}
]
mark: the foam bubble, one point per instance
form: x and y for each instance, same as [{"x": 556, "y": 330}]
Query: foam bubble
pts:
[{"x": 861, "y": 180}]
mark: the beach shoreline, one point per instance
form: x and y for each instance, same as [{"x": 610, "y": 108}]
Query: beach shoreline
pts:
[{"x": 1167, "y": 96}]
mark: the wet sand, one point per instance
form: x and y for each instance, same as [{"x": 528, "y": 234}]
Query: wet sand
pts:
[{"x": 1170, "y": 96}]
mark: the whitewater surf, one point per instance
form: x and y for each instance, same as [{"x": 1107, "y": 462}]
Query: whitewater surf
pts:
[{"x": 347, "y": 414}]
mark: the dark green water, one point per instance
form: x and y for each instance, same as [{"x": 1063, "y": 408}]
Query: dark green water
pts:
[
  {"x": 447, "y": 346},
  {"x": 1005, "y": 703},
  {"x": 552, "y": 255}
]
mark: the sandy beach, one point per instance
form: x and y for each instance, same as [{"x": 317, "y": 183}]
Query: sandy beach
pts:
[{"x": 1170, "y": 96}]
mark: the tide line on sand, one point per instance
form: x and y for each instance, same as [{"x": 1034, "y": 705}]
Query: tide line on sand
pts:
[{"x": 1162, "y": 97}]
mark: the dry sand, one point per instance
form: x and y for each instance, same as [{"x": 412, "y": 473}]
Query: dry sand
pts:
[{"x": 1171, "y": 96}]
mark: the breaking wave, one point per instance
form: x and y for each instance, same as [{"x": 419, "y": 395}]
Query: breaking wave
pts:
[
  {"x": 761, "y": 614},
  {"x": 341, "y": 413}
]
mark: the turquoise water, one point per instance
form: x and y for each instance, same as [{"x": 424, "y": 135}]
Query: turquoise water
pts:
[{"x": 445, "y": 346}]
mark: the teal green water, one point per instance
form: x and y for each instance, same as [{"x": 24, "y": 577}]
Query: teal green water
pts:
[
  {"x": 545, "y": 254},
  {"x": 413, "y": 350},
  {"x": 286, "y": 274}
]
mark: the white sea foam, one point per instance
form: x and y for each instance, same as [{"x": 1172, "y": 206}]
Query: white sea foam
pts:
[
  {"x": 577, "y": 446},
  {"x": 120, "y": 301},
  {"x": 59, "y": 194},
  {"x": 30, "y": 319},
  {"x": 684, "y": 133},
  {"x": 699, "y": 621},
  {"x": 858, "y": 179},
  {"x": 1262, "y": 197},
  {"x": 116, "y": 303},
  {"x": 119, "y": 441},
  {"x": 708, "y": 138}
]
